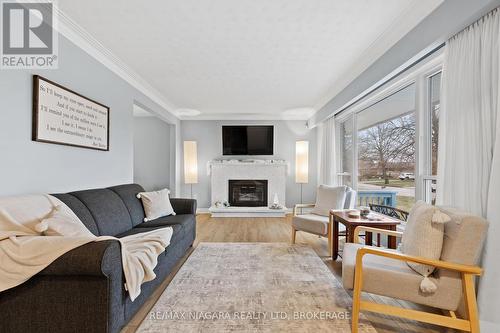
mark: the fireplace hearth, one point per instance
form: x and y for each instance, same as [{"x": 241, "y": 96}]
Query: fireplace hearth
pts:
[{"x": 248, "y": 193}]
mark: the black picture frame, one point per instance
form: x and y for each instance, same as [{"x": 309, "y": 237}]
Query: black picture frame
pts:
[{"x": 36, "y": 114}]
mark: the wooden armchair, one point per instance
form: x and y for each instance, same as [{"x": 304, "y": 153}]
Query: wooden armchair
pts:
[
  {"x": 385, "y": 272},
  {"x": 319, "y": 223}
]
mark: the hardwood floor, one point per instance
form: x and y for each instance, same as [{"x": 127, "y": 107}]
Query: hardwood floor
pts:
[{"x": 278, "y": 230}]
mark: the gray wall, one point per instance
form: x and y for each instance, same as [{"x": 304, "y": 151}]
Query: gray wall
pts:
[
  {"x": 208, "y": 134},
  {"x": 151, "y": 153},
  {"x": 28, "y": 167}
]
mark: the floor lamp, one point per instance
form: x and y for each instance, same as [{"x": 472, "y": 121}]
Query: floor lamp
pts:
[
  {"x": 301, "y": 164},
  {"x": 190, "y": 164}
]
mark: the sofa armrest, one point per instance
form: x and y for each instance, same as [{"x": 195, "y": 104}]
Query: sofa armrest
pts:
[
  {"x": 82, "y": 291},
  {"x": 183, "y": 206},
  {"x": 91, "y": 259}
]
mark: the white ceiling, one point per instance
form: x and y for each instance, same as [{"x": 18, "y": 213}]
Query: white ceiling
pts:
[{"x": 249, "y": 59}]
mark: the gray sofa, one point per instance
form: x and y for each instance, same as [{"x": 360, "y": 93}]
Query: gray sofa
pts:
[{"x": 83, "y": 290}]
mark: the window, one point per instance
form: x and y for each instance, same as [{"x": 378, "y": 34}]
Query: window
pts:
[
  {"x": 434, "y": 104},
  {"x": 346, "y": 138},
  {"x": 386, "y": 147},
  {"x": 388, "y": 141}
]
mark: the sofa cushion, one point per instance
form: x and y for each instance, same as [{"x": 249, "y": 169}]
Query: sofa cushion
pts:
[
  {"x": 166, "y": 221},
  {"x": 329, "y": 197},
  {"x": 128, "y": 194},
  {"x": 393, "y": 278},
  {"x": 182, "y": 238},
  {"x": 176, "y": 229},
  {"x": 179, "y": 232},
  {"x": 108, "y": 210}
]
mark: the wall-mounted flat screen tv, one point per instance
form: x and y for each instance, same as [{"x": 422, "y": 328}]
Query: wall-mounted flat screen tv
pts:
[{"x": 247, "y": 140}]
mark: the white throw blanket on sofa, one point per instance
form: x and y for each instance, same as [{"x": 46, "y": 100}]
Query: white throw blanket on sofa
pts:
[{"x": 35, "y": 230}]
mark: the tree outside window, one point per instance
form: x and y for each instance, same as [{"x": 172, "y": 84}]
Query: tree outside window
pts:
[{"x": 387, "y": 147}]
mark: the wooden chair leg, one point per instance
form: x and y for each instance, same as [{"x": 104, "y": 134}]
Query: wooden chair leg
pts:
[
  {"x": 470, "y": 302},
  {"x": 329, "y": 235},
  {"x": 355, "y": 312},
  {"x": 294, "y": 232},
  {"x": 356, "y": 297}
]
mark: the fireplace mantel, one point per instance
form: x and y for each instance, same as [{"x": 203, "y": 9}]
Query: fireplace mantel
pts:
[{"x": 271, "y": 170}]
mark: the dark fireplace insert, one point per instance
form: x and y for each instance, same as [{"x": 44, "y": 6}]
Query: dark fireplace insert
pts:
[{"x": 248, "y": 193}]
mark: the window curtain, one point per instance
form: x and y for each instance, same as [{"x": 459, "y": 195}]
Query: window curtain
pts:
[
  {"x": 328, "y": 160},
  {"x": 469, "y": 144}
]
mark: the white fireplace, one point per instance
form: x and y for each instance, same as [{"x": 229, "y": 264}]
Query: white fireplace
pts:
[{"x": 254, "y": 172}]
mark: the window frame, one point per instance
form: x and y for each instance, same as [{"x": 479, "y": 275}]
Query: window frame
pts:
[
  {"x": 427, "y": 177},
  {"x": 420, "y": 75}
]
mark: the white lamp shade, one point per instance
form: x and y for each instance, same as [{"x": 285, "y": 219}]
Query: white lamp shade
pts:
[
  {"x": 190, "y": 162},
  {"x": 302, "y": 162}
]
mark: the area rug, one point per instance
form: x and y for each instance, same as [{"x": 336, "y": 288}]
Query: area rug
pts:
[{"x": 252, "y": 287}]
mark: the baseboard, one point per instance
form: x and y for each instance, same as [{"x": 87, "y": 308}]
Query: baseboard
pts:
[
  {"x": 202, "y": 210},
  {"x": 205, "y": 210}
]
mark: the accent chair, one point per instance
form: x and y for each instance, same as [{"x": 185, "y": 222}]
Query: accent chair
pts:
[
  {"x": 318, "y": 220},
  {"x": 385, "y": 272}
]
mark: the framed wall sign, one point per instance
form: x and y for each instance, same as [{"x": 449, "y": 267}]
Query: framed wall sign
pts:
[{"x": 62, "y": 116}]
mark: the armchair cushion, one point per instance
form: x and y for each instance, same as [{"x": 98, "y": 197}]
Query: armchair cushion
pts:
[
  {"x": 315, "y": 224},
  {"x": 312, "y": 223},
  {"x": 464, "y": 237},
  {"x": 329, "y": 197},
  {"x": 394, "y": 278}
]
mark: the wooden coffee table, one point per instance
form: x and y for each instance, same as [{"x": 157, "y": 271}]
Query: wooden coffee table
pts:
[{"x": 374, "y": 220}]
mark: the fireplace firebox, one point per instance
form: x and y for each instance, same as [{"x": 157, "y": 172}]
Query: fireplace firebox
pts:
[{"x": 248, "y": 193}]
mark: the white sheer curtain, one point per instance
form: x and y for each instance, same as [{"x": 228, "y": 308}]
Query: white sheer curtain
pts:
[
  {"x": 469, "y": 140},
  {"x": 328, "y": 160}
]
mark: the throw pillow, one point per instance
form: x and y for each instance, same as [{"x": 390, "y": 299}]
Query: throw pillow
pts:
[
  {"x": 423, "y": 237},
  {"x": 329, "y": 197},
  {"x": 156, "y": 204}
]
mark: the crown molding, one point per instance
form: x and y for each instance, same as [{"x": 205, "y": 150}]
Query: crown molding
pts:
[
  {"x": 407, "y": 20},
  {"x": 246, "y": 116},
  {"x": 85, "y": 41}
]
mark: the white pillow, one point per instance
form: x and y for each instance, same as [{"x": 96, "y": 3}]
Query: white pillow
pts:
[
  {"x": 423, "y": 237},
  {"x": 156, "y": 204},
  {"x": 329, "y": 197}
]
